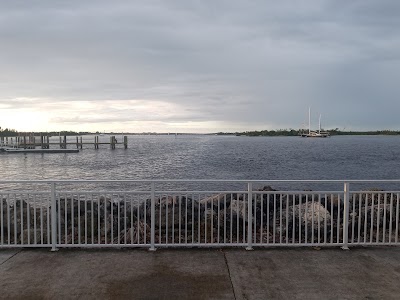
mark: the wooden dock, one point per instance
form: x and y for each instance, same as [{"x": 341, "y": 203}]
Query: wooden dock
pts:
[
  {"x": 31, "y": 141},
  {"x": 21, "y": 150}
]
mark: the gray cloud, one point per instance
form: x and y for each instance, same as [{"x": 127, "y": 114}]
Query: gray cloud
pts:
[{"x": 241, "y": 64}]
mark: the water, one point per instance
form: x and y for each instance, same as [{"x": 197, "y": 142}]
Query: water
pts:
[{"x": 218, "y": 157}]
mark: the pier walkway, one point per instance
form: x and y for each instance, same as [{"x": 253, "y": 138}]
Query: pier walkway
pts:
[{"x": 361, "y": 273}]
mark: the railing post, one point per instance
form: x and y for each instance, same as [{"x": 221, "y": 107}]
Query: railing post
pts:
[
  {"x": 153, "y": 217},
  {"x": 346, "y": 216},
  {"x": 249, "y": 216},
  {"x": 53, "y": 218}
]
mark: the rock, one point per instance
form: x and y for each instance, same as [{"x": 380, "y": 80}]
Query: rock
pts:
[
  {"x": 170, "y": 210},
  {"x": 375, "y": 219},
  {"x": 279, "y": 200},
  {"x": 267, "y": 188},
  {"x": 334, "y": 204},
  {"x": 220, "y": 199},
  {"x": 311, "y": 216},
  {"x": 239, "y": 208},
  {"x": 204, "y": 220},
  {"x": 263, "y": 236},
  {"x": 135, "y": 234},
  {"x": 167, "y": 200},
  {"x": 28, "y": 237}
]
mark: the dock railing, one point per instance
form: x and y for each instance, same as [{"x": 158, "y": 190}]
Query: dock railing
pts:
[{"x": 62, "y": 213}]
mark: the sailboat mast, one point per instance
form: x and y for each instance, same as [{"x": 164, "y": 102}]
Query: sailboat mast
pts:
[
  {"x": 319, "y": 125},
  {"x": 309, "y": 120}
]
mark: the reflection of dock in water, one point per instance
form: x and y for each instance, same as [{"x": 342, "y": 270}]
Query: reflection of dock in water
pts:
[{"x": 29, "y": 141}]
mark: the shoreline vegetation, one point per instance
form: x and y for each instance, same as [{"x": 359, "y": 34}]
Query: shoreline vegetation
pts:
[
  {"x": 279, "y": 132},
  {"x": 294, "y": 132}
]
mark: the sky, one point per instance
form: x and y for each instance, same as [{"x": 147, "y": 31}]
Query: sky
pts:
[{"x": 199, "y": 66}]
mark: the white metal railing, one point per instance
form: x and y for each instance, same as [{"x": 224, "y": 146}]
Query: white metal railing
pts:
[{"x": 156, "y": 216}]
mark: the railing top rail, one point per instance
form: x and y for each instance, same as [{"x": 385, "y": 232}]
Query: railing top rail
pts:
[{"x": 204, "y": 181}]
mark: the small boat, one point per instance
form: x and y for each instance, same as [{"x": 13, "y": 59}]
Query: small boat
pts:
[{"x": 314, "y": 133}]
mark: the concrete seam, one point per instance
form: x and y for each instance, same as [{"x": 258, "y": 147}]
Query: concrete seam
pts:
[
  {"x": 10, "y": 258},
  {"x": 229, "y": 273}
]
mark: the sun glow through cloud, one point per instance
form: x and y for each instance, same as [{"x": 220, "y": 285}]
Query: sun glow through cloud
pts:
[{"x": 25, "y": 114}]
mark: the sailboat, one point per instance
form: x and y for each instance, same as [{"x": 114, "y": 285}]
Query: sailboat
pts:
[{"x": 314, "y": 133}]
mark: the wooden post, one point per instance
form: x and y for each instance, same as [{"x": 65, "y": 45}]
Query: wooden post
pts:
[
  {"x": 60, "y": 143},
  {"x": 81, "y": 143},
  {"x": 65, "y": 142},
  {"x": 41, "y": 141},
  {"x": 126, "y": 142},
  {"x": 77, "y": 143},
  {"x": 96, "y": 142},
  {"x": 24, "y": 141},
  {"x": 48, "y": 142}
]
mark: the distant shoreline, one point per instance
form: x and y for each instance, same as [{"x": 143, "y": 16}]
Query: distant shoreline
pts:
[
  {"x": 279, "y": 132},
  {"x": 293, "y": 132}
]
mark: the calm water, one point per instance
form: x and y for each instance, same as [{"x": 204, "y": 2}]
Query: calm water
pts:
[{"x": 218, "y": 157}]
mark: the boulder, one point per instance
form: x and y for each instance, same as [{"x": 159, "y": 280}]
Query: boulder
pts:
[
  {"x": 135, "y": 234},
  {"x": 169, "y": 210},
  {"x": 220, "y": 199},
  {"x": 28, "y": 237},
  {"x": 310, "y": 217}
]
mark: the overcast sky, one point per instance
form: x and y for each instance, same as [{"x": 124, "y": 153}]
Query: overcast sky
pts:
[{"x": 199, "y": 66}]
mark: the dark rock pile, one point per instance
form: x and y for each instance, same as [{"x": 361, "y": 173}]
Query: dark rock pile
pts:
[{"x": 276, "y": 217}]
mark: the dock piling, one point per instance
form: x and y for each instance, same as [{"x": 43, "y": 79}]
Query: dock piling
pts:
[
  {"x": 112, "y": 142},
  {"x": 125, "y": 142},
  {"x": 42, "y": 141}
]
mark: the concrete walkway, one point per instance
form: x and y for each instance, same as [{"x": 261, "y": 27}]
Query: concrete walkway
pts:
[{"x": 362, "y": 273}]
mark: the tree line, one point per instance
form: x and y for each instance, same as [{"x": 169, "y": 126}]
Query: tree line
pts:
[
  {"x": 8, "y": 132},
  {"x": 294, "y": 132},
  {"x": 12, "y": 132}
]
